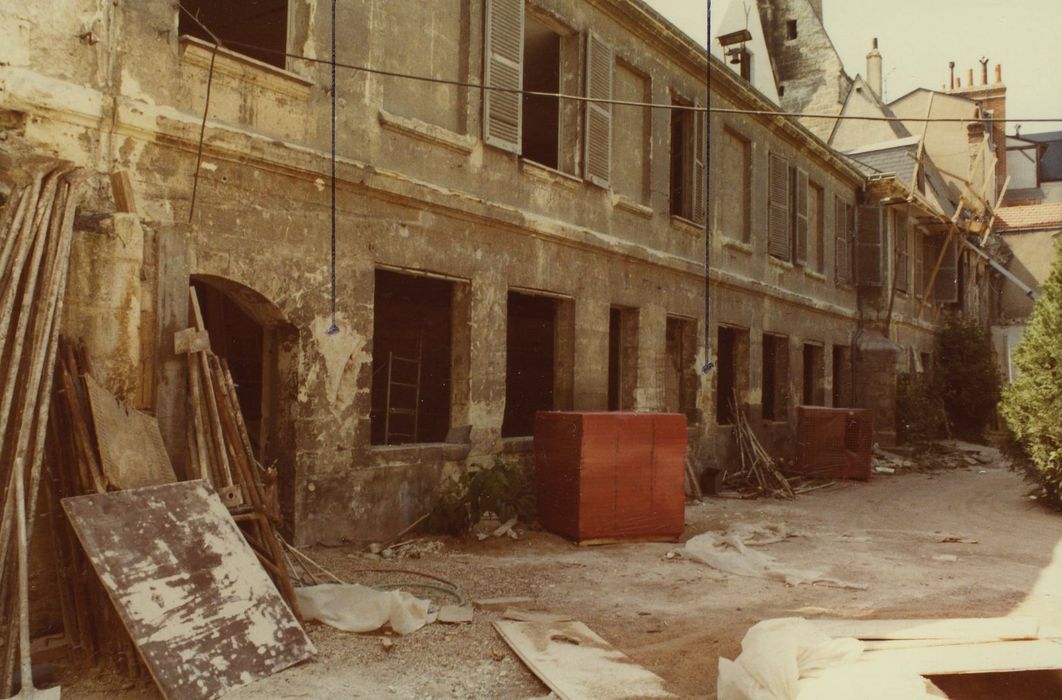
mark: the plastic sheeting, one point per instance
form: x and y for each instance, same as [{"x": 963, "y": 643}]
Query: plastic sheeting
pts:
[
  {"x": 790, "y": 659},
  {"x": 357, "y": 608},
  {"x": 730, "y": 552}
]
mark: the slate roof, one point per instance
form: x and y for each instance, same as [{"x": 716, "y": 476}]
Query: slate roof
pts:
[
  {"x": 1032, "y": 217},
  {"x": 1051, "y": 160}
]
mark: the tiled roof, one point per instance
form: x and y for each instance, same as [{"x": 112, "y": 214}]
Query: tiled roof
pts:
[{"x": 1029, "y": 217}]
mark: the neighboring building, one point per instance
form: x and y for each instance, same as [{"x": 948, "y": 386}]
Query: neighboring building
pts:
[
  {"x": 1031, "y": 234},
  {"x": 1048, "y": 167}
]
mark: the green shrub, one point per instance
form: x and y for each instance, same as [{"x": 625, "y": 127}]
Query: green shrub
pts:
[
  {"x": 1032, "y": 403},
  {"x": 966, "y": 377},
  {"x": 505, "y": 489},
  {"x": 919, "y": 410}
]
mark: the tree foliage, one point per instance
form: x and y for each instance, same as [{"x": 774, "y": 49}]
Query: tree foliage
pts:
[
  {"x": 966, "y": 376},
  {"x": 1032, "y": 403}
]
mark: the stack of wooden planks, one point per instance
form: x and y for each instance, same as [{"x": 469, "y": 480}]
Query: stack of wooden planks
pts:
[
  {"x": 75, "y": 468},
  {"x": 221, "y": 453},
  {"x": 36, "y": 228},
  {"x": 758, "y": 471}
]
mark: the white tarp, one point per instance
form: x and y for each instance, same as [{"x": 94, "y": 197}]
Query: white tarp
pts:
[
  {"x": 791, "y": 659},
  {"x": 730, "y": 552},
  {"x": 357, "y": 608}
]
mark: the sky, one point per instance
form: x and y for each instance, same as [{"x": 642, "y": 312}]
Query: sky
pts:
[{"x": 1025, "y": 36}]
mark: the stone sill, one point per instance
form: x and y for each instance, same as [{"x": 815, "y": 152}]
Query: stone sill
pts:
[
  {"x": 778, "y": 262},
  {"x": 429, "y": 133},
  {"x": 627, "y": 204},
  {"x": 197, "y": 52},
  {"x": 684, "y": 224},
  {"x": 551, "y": 175},
  {"x": 516, "y": 445},
  {"x": 386, "y": 455},
  {"x": 735, "y": 244},
  {"x": 815, "y": 275}
]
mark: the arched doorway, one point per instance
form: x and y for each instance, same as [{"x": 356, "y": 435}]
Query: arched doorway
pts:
[{"x": 261, "y": 347}]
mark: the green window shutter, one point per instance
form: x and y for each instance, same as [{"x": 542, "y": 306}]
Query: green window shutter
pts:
[
  {"x": 778, "y": 207},
  {"x": 598, "y": 127},
  {"x": 869, "y": 247}
]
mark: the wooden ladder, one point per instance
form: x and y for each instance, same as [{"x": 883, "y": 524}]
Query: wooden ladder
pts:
[{"x": 391, "y": 410}]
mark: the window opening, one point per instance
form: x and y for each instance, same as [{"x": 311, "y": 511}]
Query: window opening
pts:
[{"x": 261, "y": 23}]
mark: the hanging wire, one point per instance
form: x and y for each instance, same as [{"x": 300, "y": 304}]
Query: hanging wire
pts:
[
  {"x": 708, "y": 364},
  {"x": 334, "y": 328},
  {"x": 206, "y": 111}
]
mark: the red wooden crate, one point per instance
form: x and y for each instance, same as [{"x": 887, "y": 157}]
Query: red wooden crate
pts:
[
  {"x": 834, "y": 443},
  {"x": 604, "y": 476}
]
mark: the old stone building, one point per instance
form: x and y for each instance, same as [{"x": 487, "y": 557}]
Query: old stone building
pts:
[{"x": 496, "y": 253}]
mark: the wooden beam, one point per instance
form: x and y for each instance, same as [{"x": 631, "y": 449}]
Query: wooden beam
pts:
[
  {"x": 995, "y": 209},
  {"x": 936, "y": 271},
  {"x": 921, "y": 147}
]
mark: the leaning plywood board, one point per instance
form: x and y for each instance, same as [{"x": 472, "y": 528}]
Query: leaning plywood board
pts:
[
  {"x": 987, "y": 629},
  {"x": 199, "y": 607},
  {"x": 994, "y": 657},
  {"x": 131, "y": 450},
  {"x": 577, "y": 664}
]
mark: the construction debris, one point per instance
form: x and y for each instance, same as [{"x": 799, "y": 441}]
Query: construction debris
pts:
[
  {"x": 577, "y": 664},
  {"x": 203, "y": 614},
  {"x": 220, "y": 452},
  {"x": 356, "y": 608},
  {"x": 36, "y": 228},
  {"x": 758, "y": 473},
  {"x": 730, "y": 552}
]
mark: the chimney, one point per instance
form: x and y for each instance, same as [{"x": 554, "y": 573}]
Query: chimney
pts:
[
  {"x": 969, "y": 78},
  {"x": 951, "y": 75},
  {"x": 984, "y": 71},
  {"x": 874, "y": 69},
  {"x": 999, "y": 73}
]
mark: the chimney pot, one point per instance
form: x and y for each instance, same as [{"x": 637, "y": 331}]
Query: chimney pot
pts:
[
  {"x": 969, "y": 78},
  {"x": 951, "y": 75},
  {"x": 984, "y": 71},
  {"x": 999, "y": 73},
  {"x": 874, "y": 69}
]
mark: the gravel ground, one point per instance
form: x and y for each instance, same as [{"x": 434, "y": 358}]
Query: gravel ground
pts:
[{"x": 675, "y": 616}]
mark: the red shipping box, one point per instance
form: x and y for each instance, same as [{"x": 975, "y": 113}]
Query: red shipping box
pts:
[
  {"x": 834, "y": 443},
  {"x": 607, "y": 476}
]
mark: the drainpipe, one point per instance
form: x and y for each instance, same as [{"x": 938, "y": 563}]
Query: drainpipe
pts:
[{"x": 708, "y": 364}]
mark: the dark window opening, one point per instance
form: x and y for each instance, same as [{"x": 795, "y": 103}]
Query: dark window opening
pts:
[
  {"x": 260, "y": 23},
  {"x": 681, "y": 379},
  {"x": 681, "y": 150},
  {"x": 814, "y": 374},
  {"x": 781, "y": 90},
  {"x": 775, "y": 376},
  {"x": 842, "y": 373},
  {"x": 732, "y": 356},
  {"x": 411, "y": 359},
  {"x": 622, "y": 358},
  {"x": 540, "y": 133},
  {"x": 791, "y": 29},
  {"x": 530, "y": 361}
]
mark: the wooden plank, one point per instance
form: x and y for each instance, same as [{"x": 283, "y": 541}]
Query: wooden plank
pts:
[
  {"x": 202, "y": 612},
  {"x": 122, "y": 188},
  {"x": 958, "y": 629},
  {"x": 131, "y": 450},
  {"x": 576, "y": 663},
  {"x": 995, "y": 657},
  {"x": 190, "y": 340}
]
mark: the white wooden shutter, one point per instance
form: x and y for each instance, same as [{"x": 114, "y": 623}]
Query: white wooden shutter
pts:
[
  {"x": 778, "y": 207},
  {"x": 699, "y": 179},
  {"x": 503, "y": 59},
  {"x": 869, "y": 247},
  {"x": 840, "y": 241},
  {"x": 800, "y": 217},
  {"x": 598, "y": 128}
]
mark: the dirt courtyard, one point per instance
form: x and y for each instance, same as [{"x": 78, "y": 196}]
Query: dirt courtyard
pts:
[{"x": 676, "y": 616}]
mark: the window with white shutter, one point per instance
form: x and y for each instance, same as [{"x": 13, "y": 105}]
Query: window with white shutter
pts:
[
  {"x": 503, "y": 68},
  {"x": 598, "y": 127},
  {"x": 800, "y": 216},
  {"x": 699, "y": 178},
  {"x": 778, "y": 207}
]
